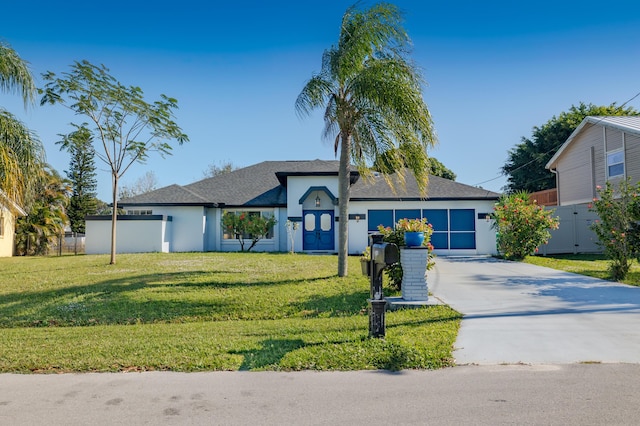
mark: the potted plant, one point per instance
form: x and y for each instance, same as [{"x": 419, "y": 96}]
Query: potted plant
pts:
[
  {"x": 365, "y": 261},
  {"x": 414, "y": 231}
]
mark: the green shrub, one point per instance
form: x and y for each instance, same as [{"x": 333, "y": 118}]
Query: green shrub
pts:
[{"x": 522, "y": 225}]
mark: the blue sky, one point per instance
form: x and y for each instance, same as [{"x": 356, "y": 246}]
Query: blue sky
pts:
[{"x": 494, "y": 70}]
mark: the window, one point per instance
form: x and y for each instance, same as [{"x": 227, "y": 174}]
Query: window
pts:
[
  {"x": 264, "y": 214},
  {"x": 139, "y": 212},
  {"x": 1, "y": 225},
  {"x": 380, "y": 217},
  {"x": 615, "y": 163}
]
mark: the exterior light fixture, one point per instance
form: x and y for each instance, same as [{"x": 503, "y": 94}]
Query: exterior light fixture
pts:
[
  {"x": 317, "y": 201},
  {"x": 357, "y": 218}
]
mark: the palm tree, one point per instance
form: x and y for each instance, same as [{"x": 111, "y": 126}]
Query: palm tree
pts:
[
  {"x": 47, "y": 216},
  {"x": 21, "y": 153},
  {"x": 372, "y": 98}
]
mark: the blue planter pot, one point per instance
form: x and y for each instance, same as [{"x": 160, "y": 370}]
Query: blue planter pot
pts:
[{"x": 413, "y": 239}]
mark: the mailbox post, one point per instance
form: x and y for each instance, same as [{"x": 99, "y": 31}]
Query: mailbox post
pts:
[{"x": 382, "y": 255}]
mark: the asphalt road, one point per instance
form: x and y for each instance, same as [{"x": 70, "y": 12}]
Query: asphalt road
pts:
[{"x": 576, "y": 394}]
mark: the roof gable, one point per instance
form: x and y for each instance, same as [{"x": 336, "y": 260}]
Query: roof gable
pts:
[
  {"x": 627, "y": 124},
  {"x": 261, "y": 185}
]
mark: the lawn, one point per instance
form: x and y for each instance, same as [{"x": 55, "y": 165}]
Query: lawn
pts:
[
  {"x": 593, "y": 265},
  {"x": 205, "y": 311}
]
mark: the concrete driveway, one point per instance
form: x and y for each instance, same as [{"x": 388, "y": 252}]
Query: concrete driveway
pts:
[{"x": 520, "y": 313}]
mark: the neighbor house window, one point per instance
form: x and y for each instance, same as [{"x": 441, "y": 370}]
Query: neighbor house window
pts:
[
  {"x": 265, "y": 214},
  {"x": 140, "y": 212},
  {"x": 615, "y": 163}
]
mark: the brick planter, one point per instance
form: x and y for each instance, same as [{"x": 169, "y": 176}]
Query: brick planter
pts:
[{"x": 414, "y": 269}]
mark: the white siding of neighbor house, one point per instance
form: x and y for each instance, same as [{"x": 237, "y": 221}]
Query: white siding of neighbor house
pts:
[
  {"x": 575, "y": 167},
  {"x": 632, "y": 156},
  {"x": 132, "y": 236},
  {"x": 582, "y": 166}
]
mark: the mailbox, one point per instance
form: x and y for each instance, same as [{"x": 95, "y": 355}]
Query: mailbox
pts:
[{"x": 385, "y": 253}]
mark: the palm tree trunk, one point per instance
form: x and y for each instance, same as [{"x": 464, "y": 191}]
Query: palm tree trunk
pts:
[{"x": 344, "y": 188}]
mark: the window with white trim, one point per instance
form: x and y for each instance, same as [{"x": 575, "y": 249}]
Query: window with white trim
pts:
[{"x": 615, "y": 163}]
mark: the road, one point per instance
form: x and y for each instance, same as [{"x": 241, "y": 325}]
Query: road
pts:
[{"x": 573, "y": 394}]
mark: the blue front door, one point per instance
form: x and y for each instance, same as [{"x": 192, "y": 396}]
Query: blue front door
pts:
[{"x": 318, "y": 231}]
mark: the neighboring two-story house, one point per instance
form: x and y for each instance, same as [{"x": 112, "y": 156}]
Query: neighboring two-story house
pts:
[{"x": 601, "y": 149}]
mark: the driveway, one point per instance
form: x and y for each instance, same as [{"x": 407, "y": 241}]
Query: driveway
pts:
[{"x": 520, "y": 313}]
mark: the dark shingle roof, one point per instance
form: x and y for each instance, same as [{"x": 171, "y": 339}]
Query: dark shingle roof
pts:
[
  {"x": 172, "y": 194},
  {"x": 376, "y": 188},
  {"x": 263, "y": 185}
]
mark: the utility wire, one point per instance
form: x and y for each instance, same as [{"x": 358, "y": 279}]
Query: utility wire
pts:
[{"x": 501, "y": 174}]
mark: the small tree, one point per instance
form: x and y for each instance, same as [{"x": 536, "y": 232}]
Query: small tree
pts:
[
  {"x": 252, "y": 227},
  {"x": 146, "y": 183},
  {"x": 82, "y": 174},
  {"x": 125, "y": 126},
  {"x": 522, "y": 225},
  {"x": 219, "y": 169},
  {"x": 617, "y": 228}
]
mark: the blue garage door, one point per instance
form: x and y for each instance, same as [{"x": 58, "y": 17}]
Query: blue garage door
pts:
[{"x": 452, "y": 228}]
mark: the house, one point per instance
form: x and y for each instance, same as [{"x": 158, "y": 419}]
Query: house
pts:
[
  {"x": 601, "y": 149},
  {"x": 9, "y": 212},
  {"x": 303, "y": 197}
]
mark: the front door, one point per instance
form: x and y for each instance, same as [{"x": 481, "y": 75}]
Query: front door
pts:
[{"x": 318, "y": 230}]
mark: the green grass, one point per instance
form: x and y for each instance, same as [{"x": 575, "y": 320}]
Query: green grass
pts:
[
  {"x": 593, "y": 265},
  {"x": 205, "y": 311}
]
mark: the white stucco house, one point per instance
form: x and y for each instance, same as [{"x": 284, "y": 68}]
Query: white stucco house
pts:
[{"x": 187, "y": 218}]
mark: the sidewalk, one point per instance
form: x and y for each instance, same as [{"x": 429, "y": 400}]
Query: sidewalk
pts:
[{"x": 520, "y": 313}]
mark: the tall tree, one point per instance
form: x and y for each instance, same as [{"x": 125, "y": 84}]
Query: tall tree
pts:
[
  {"x": 525, "y": 163},
  {"x": 371, "y": 93},
  {"x": 21, "y": 153},
  {"x": 82, "y": 175},
  {"x": 436, "y": 168},
  {"x": 125, "y": 127}
]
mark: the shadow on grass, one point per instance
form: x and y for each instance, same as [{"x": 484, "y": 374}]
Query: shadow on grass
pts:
[
  {"x": 269, "y": 354},
  {"x": 145, "y": 298},
  {"x": 337, "y": 305}
]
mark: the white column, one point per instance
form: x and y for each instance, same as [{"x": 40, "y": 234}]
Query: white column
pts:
[{"x": 414, "y": 269}]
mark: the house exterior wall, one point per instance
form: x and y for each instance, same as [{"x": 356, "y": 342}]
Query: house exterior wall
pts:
[
  {"x": 141, "y": 235},
  {"x": 582, "y": 167},
  {"x": 188, "y": 226},
  {"x": 7, "y": 237},
  {"x": 578, "y": 168}
]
